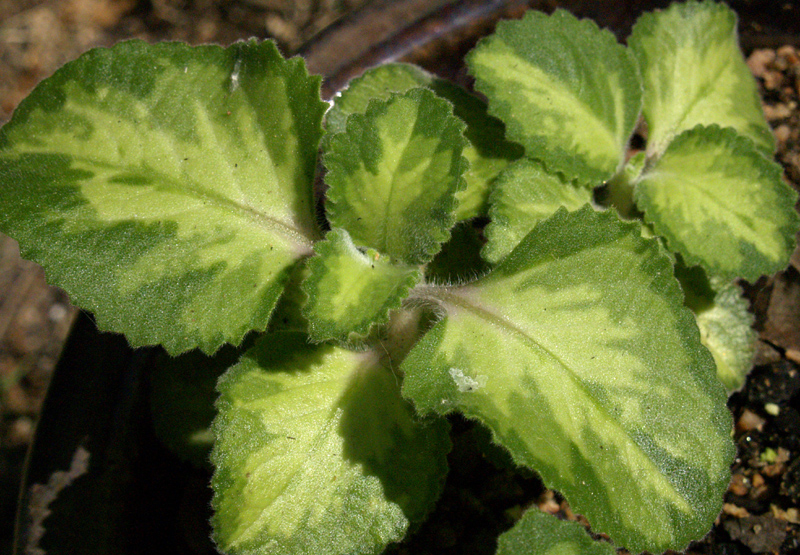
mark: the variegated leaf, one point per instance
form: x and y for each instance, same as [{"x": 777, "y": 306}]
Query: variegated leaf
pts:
[
  {"x": 726, "y": 325},
  {"x": 349, "y": 291},
  {"x": 487, "y": 151},
  {"x": 694, "y": 73},
  {"x": 318, "y": 454},
  {"x": 167, "y": 188},
  {"x": 726, "y": 328},
  {"x": 393, "y": 174},
  {"x": 538, "y": 533},
  {"x": 566, "y": 90},
  {"x": 578, "y": 353},
  {"x": 525, "y": 194},
  {"x": 720, "y": 204}
]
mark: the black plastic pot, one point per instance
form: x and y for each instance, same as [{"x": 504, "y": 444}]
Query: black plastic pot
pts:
[{"x": 98, "y": 480}]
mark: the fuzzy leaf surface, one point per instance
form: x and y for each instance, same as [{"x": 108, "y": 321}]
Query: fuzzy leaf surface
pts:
[
  {"x": 694, "y": 73},
  {"x": 579, "y": 355},
  {"x": 317, "y": 453},
  {"x": 538, "y": 533},
  {"x": 525, "y": 194},
  {"x": 167, "y": 188},
  {"x": 726, "y": 329},
  {"x": 721, "y": 204},
  {"x": 566, "y": 90},
  {"x": 349, "y": 291},
  {"x": 393, "y": 174},
  {"x": 487, "y": 150},
  {"x": 726, "y": 325}
]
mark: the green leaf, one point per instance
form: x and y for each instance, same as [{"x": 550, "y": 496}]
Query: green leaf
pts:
[
  {"x": 694, "y": 73},
  {"x": 167, "y": 188},
  {"x": 349, "y": 291},
  {"x": 538, "y": 533},
  {"x": 566, "y": 90},
  {"x": 318, "y": 454},
  {"x": 726, "y": 325},
  {"x": 377, "y": 83},
  {"x": 726, "y": 329},
  {"x": 525, "y": 194},
  {"x": 579, "y": 355},
  {"x": 487, "y": 151},
  {"x": 393, "y": 174},
  {"x": 721, "y": 204}
]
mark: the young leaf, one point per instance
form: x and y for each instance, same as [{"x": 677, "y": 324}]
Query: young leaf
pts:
[
  {"x": 720, "y": 204},
  {"x": 694, "y": 73},
  {"x": 726, "y": 326},
  {"x": 726, "y": 329},
  {"x": 317, "y": 453},
  {"x": 393, "y": 174},
  {"x": 487, "y": 151},
  {"x": 572, "y": 100},
  {"x": 349, "y": 291},
  {"x": 579, "y": 355},
  {"x": 525, "y": 194},
  {"x": 538, "y": 533},
  {"x": 167, "y": 188}
]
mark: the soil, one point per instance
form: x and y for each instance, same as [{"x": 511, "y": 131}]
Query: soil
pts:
[{"x": 762, "y": 506}]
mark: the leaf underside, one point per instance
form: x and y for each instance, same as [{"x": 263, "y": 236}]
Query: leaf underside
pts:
[
  {"x": 318, "y": 454},
  {"x": 523, "y": 195},
  {"x": 487, "y": 151},
  {"x": 577, "y": 352},
  {"x": 571, "y": 101},
  {"x": 538, "y": 533},
  {"x": 167, "y": 188},
  {"x": 720, "y": 204},
  {"x": 393, "y": 174},
  {"x": 694, "y": 73},
  {"x": 349, "y": 291}
]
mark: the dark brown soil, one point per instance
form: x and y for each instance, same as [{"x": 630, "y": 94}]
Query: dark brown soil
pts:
[{"x": 762, "y": 509}]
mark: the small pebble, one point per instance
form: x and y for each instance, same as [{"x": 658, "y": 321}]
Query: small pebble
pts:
[
  {"x": 777, "y": 111},
  {"x": 547, "y": 503},
  {"x": 57, "y": 313},
  {"x": 20, "y": 432},
  {"x": 782, "y": 133},
  {"x": 749, "y": 421},
  {"x": 739, "y": 485},
  {"x": 772, "y": 80},
  {"x": 788, "y": 55},
  {"x": 735, "y": 510},
  {"x": 772, "y": 409},
  {"x": 793, "y": 355},
  {"x": 792, "y": 514},
  {"x": 759, "y": 60}
]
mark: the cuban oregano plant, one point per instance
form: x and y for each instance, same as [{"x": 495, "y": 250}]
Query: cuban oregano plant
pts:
[{"x": 169, "y": 190}]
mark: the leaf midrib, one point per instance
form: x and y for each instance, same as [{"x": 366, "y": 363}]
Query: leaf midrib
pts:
[
  {"x": 696, "y": 186},
  {"x": 452, "y": 297},
  {"x": 388, "y": 215},
  {"x": 318, "y": 437},
  {"x": 190, "y": 188},
  {"x": 700, "y": 95}
]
